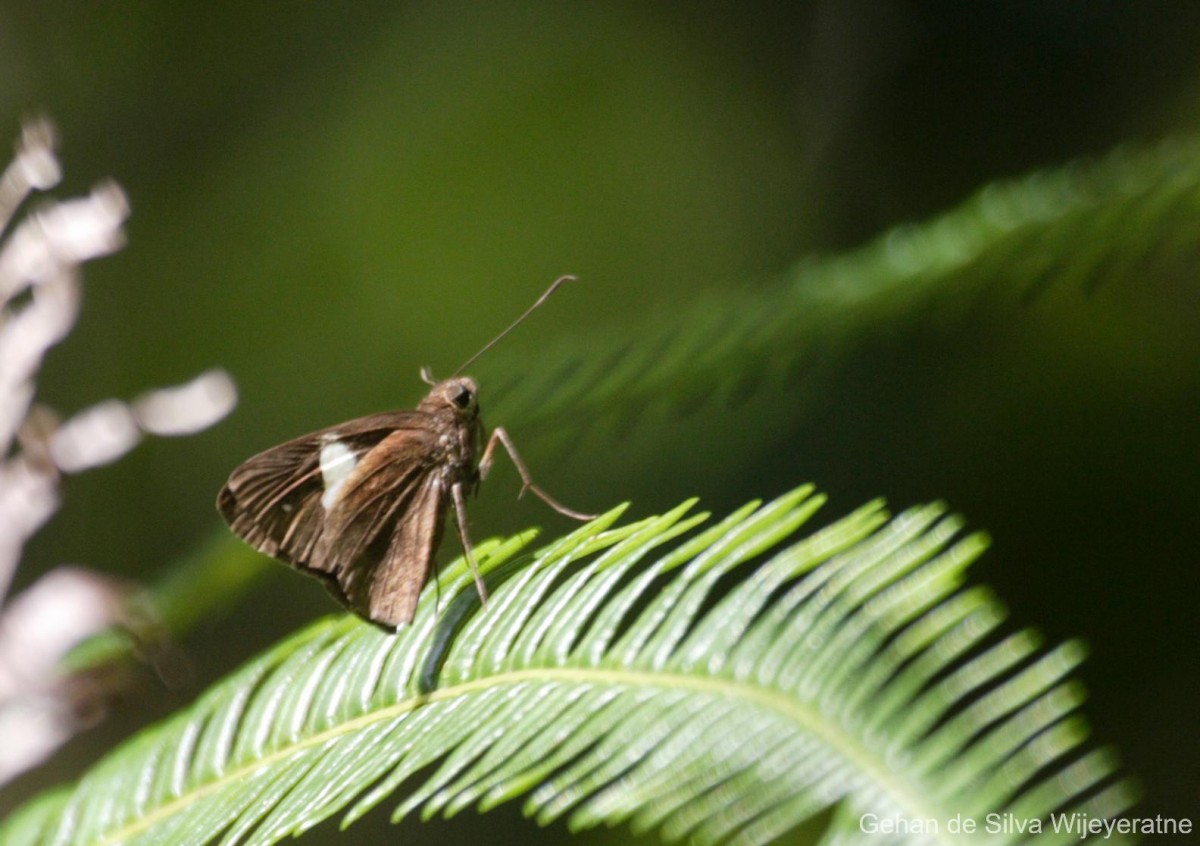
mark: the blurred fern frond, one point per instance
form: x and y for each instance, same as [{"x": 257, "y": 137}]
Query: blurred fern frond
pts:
[
  {"x": 1124, "y": 220},
  {"x": 612, "y": 682}
]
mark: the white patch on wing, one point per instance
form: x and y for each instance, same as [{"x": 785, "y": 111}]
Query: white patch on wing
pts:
[{"x": 337, "y": 463}]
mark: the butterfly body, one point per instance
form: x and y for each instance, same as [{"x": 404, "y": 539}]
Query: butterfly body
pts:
[{"x": 362, "y": 505}]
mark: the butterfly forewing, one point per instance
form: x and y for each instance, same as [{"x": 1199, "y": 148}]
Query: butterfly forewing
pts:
[
  {"x": 393, "y": 496},
  {"x": 389, "y": 593}
]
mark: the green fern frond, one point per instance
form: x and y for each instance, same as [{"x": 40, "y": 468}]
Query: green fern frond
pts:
[
  {"x": 610, "y": 681},
  {"x": 1126, "y": 218}
]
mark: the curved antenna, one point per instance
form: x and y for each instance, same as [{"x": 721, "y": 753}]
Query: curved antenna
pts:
[{"x": 553, "y": 287}]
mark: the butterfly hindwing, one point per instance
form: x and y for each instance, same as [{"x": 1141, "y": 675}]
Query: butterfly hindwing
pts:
[{"x": 268, "y": 493}]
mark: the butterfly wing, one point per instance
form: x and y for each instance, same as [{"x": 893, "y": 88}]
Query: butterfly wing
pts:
[
  {"x": 390, "y": 488},
  {"x": 273, "y": 501},
  {"x": 386, "y": 589}
]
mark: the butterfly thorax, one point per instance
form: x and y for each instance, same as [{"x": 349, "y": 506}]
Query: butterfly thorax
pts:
[{"x": 453, "y": 408}]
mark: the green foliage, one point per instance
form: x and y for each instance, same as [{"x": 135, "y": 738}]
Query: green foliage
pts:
[
  {"x": 1126, "y": 221},
  {"x": 696, "y": 690}
]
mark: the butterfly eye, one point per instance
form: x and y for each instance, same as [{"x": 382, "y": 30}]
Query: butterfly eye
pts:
[{"x": 463, "y": 398}]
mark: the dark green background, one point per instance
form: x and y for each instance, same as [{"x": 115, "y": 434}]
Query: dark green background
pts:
[{"x": 328, "y": 196}]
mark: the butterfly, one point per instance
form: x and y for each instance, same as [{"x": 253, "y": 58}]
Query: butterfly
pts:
[{"x": 363, "y": 505}]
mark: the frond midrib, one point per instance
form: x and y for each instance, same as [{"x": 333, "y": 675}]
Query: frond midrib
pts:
[{"x": 806, "y": 717}]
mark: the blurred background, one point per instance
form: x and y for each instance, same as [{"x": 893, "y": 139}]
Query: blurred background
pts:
[{"x": 326, "y": 197}]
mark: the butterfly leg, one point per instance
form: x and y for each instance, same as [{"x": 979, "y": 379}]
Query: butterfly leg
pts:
[
  {"x": 499, "y": 436},
  {"x": 460, "y": 520}
]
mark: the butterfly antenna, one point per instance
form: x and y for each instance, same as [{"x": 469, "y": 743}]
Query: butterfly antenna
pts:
[{"x": 553, "y": 287}]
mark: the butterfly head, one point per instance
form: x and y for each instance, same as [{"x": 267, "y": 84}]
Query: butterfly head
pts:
[{"x": 459, "y": 395}]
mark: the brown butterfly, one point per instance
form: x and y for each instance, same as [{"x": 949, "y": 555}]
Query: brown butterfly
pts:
[{"x": 362, "y": 505}]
